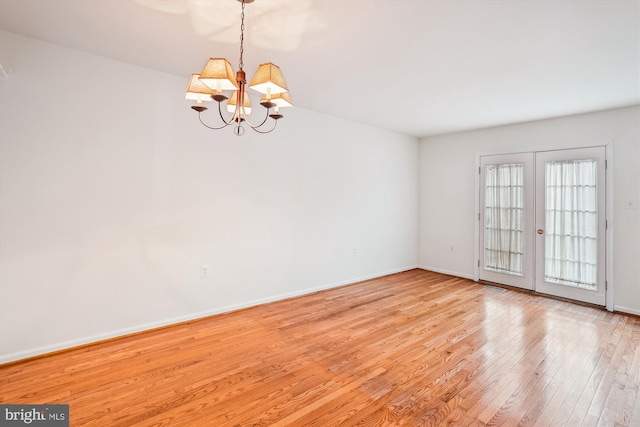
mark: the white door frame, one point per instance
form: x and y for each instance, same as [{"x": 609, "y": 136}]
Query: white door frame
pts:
[{"x": 609, "y": 263}]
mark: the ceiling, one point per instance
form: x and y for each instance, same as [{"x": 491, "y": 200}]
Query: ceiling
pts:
[{"x": 419, "y": 67}]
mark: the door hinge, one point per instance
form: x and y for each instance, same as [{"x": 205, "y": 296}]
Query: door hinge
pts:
[
  {"x": 605, "y": 164},
  {"x": 606, "y": 285},
  {"x": 606, "y": 224},
  {"x": 478, "y": 263},
  {"x": 478, "y": 170},
  {"x": 478, "y": 216}
]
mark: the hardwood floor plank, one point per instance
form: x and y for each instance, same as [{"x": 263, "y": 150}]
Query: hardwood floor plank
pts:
[
  {"x": 415, "y": 348},
  {"x": 630, "y": 400},
  {"x": 563, "y": 370},
  {"x": 298, "y": 415},
  {"x": 591, "y": 393},
  {"x": 570, "y": 380}
]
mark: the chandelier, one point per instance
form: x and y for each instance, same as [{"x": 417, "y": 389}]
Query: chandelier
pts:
[{"x": 217, "y": 76}]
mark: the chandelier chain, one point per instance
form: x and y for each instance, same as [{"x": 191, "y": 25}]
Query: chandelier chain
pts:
[{"x": 241, "y": 65}]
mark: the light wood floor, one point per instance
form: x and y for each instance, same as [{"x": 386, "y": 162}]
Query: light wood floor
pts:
[{"x": 414, "y": 348}]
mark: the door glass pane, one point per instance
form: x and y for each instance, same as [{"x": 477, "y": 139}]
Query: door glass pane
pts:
[
  {"x": 571, "y": 223},
  {"x": 504, "y": 218}
]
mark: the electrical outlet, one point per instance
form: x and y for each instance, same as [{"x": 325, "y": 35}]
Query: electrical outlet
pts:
[
  {"x": 355, "y": 251},
  {"x": 204, "y": 271},
  {"x": 451, "y": 248}
]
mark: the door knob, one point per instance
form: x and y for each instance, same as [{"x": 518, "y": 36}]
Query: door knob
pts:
[{"x": 540, "y": 231}]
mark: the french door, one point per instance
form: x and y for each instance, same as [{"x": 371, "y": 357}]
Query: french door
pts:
[
  {"x": 506, "y": 198},
  {"x": 542, "y": 222}
]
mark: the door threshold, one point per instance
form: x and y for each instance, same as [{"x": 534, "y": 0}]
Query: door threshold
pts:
[{"x": 530, "y": 291}]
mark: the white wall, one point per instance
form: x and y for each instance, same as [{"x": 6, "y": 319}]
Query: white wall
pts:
[
  {"x": 448, "y": 177},
  {"x": 112, "y": 196}
]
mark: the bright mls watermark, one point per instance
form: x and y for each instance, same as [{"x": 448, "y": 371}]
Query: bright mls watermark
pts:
[{"x": 34, "y": 415}]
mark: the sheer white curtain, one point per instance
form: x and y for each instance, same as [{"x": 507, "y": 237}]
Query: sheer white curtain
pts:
[
  {"x": 571, "y": 223},
  {"x": 504, "y": 218}
]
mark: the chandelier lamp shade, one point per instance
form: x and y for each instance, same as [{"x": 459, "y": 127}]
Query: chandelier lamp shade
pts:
[{"x": 217, "y": 82}]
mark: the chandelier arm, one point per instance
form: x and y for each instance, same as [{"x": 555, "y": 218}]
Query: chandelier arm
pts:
[
  {"x": 275, "y": 123},
  {"x": 227, "y": 123},
  {"x": 246, "y": 118},
  {"x": 212, "y": 127}
]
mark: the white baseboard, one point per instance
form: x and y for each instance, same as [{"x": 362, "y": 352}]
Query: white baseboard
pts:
[
  {"x": 450, "y": 273},
  {"x": 626, "y": 310},
  {"x": 12, "y": 357}
]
